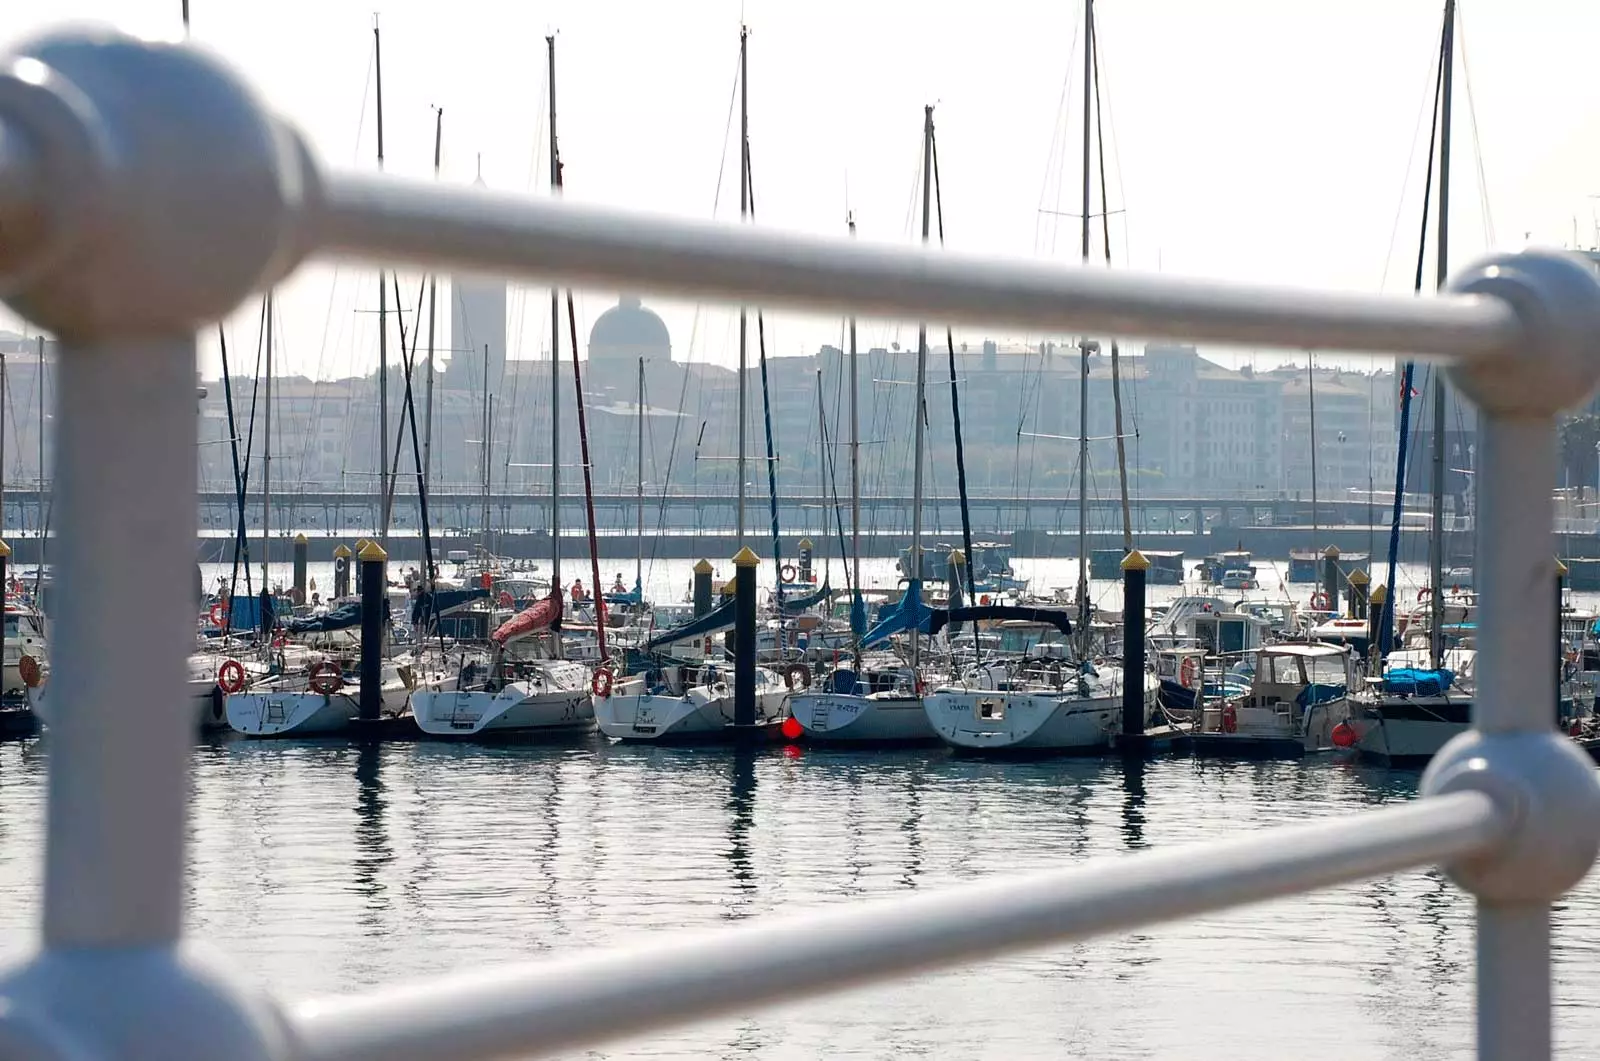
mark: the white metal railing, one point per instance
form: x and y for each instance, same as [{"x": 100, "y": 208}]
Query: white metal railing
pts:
[{"x": 144, "y": 191}]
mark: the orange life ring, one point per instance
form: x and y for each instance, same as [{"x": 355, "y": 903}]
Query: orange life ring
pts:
[
  {"x": 1230, "y": 718},
  {"x": 600, "y": 684},
  {"x": 29, "y": 671},
  {"x": 230, "y": 676},
  {"x": 218, "y": 614},
  {"x": 326, "y": 678},
  {"x": 797, "y": 675},
  {"x": 1188, "y": 671},
  {"x": 506, "y": 599},
  {"x": 1319, "y": 601},
  {"x": 788, "y": 572}
]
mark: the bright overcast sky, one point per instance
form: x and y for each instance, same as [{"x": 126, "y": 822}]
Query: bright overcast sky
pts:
[{"x": 1257, "y": 139}]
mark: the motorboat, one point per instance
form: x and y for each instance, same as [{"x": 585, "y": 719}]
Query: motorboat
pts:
[{"x": 1298, "y": 696}]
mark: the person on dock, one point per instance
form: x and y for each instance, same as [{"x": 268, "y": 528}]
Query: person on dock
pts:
[
  {"x": 578, "y": 594},
  {"x": 619, "y": 587}
]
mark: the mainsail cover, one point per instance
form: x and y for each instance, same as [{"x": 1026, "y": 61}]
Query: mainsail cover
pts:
[
  {"x": 343, "y": 617},
  {"x": 718, "y": 618},
  {"x": 999, "y": 612},
  {"x": 530, "y": 620},
  {"x": 907, "y": 612},
  {"x": 796, "y": 605}
]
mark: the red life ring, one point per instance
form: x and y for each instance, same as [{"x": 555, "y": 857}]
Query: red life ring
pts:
[
  {"x": 1319, "y": 601},
  {"x": 279, "y": 639},
  {"x": 797, "y": 676},
  {"x": 1424, "y": 593},
  {"x": 29, "y": 671},
  {"x": 230, "y": 676},
  {"x": 1230, "y": 718},
  {"x": 984, "y": 600},
  {"x": 1188, "y": 671},
  {"x": 600, "y": 684},
  {"x": 218, "y": 614},
  {"x": 326, "y": 678},
  {"x": 1576, "y": 728},
  {"x": 788, "y": 572},
  {"x": 506, "y": 599}
]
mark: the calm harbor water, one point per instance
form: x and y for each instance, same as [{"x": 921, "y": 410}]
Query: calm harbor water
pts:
[{"x": 325, "y": 868}]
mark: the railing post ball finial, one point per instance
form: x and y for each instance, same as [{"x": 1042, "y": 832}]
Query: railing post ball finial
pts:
[
  {"x": 159, "y": 191},
  {"x": 1547, "y": 789},
  {"x": 1556, "y": 296}
]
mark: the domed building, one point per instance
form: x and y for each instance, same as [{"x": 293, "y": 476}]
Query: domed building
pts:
[{"x": 626, "y": 332}]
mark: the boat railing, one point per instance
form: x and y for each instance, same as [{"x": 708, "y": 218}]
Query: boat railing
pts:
[{"x": 145, "y": 191}]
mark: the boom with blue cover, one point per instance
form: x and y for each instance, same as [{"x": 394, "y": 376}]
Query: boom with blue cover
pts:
[
  {"x": 904, "y": 614},
  {"x": 718, "y": 618},
  {"x": 999, "y": 612}
]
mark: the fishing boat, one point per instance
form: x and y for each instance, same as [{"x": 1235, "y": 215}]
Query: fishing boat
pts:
[
  {"x": 1296, "y": 699},
  {"x": 523, "y": 691}
]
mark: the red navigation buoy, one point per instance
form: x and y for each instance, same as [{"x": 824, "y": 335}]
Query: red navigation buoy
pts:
[
  {"x": 792, "y": 729},
  {"x": 1344, "y": 735}
]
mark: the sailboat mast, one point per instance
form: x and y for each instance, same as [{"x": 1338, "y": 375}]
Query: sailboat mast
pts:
[
  {"x": 919, "y": 435},
  {"x": 1311, "y": 405},
  {"x": 266, "y": 462},
  {"x": 638, "y": 563},
  {"x": 1083, "y": 343},
  {"x": 555, "y": 349},
  {"x": 433, "y": 290},
  {"x": 855, "y": 450},
  {"x": 1116, "y": 361},
  {"x": 744, "y": 213},
  {"x": 1442, "y": 268},
  {"x": 488, "y": 445},
  {"x": 383, "y": 324}
]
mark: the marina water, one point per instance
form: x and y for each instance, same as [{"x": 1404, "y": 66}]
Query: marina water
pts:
[{"x": 322, "y": 867}]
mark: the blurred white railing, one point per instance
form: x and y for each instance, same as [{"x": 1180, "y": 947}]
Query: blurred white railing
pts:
[{"x": 144, "y": 191}]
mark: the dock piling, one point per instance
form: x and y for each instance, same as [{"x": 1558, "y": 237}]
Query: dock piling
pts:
[
  {"x": 1359, "y": 581},
  {"x": 1330, "y": 577},
  {"x": 744, "y": 628},
  {"x": 373, "y": 561},
  {"x": 1376, "y": 604},
  {"x": 302, "y": 554},
  {"x": 702, "y": 588},
  {"x": 1135, "y": 569},
  {"x": 805, "y": 552},
  {"x": 341, "y": 570}
]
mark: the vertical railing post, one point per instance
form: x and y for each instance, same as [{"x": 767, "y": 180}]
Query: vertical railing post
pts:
[{"x": 1514, "y": 749}]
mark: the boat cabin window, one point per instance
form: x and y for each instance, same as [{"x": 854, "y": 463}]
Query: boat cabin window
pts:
[
  {"x": 1280, "y": 670},
  {"x": 1326, "y": 670},
  {"x": 20, "y": 626}
]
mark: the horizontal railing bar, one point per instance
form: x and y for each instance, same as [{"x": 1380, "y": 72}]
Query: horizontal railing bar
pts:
[
  {"x": 568, "y": 1005},
  {"x": 404, "y": 221}
]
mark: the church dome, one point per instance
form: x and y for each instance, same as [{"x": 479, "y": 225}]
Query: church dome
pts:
[{"x": 628, "y": 329}]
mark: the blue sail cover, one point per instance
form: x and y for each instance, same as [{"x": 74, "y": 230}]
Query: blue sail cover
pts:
[
  {"x": 796, "y": 605},
  {"x": 718, "y": 618},
  {"x": 906, "y": 613},
  {"x": 858, "y": 613},
  {"x": 1000, "y": 612},
  {"x": 343, "y": 617}
]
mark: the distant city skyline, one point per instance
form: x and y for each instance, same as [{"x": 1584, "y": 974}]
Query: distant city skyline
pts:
[{"x": 1246, "y": 140}]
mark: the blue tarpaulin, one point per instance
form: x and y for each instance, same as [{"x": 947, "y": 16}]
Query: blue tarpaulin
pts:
[{"x": 1409, "y": 681}]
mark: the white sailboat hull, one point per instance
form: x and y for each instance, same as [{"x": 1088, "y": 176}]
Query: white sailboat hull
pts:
[
  {"x": 846, "y": 718},
  {"x": 517, "y": 708},
  {"x": 304, "y": 713},
  {"x": 703, "y": 712},
  {"x": 1407, "y": 739},
  {"x": 996, "y": 721}
]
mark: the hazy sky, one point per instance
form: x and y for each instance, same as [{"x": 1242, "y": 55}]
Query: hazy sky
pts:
[{"x": 1257, "y": 139}]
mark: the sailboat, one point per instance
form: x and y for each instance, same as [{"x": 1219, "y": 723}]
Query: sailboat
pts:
[
  {"x": 527, "y": 686},
  {"x": 1053, "y": 698},
  {"x": 1421, "y": 697},
  {"x": 687, "y": 697},
  {"x": 878, "y": 700}
]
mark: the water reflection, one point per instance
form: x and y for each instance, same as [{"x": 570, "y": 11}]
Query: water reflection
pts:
[
  {"x": 1133, "y": 799},
  {"x": 373, "y": 852},
  {"x": 741, "y": 806}
]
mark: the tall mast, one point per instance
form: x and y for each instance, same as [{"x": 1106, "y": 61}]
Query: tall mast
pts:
[
  {"x": 555, "y": 350},
  {"x": 919, "y": 434},
  {"x": 4, "y": 391},
  {"x": 855, "y": 473},
  {"x": 638, "y": 563},
  {"x": 44, "y": 521},
  {"x": 1311, "y": 405},
  {"x": 744, "y": 213},
  {"x": 383, "y": 324},
  {"x": 488, "y": 446},
  {"x": 1442, "y": 267},
  {"x": 1083, "y": 343},
  {"x": 266, "y": 462},
  {"x": 1116, "y": 362},
  {"x": 433, "y": 286}
]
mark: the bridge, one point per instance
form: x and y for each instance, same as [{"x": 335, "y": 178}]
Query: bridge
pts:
[{"x": 145, "y": 191}]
